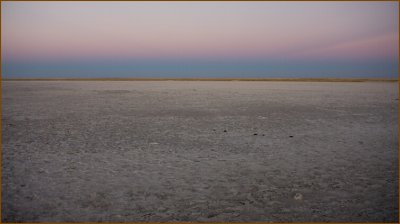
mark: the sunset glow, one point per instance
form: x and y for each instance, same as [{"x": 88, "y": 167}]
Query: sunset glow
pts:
[{"x": 257, "y": 39}]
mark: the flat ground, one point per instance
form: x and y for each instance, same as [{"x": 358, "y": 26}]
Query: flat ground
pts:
[{"x": 199, "y": 151}]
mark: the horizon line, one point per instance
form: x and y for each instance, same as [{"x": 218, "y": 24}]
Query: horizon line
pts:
[{"x": 208, "y": 79}]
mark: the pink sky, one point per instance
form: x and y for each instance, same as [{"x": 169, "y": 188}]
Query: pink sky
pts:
[{"x": 219, "y": 30}]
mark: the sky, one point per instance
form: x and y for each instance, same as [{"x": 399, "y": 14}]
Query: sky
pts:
[{"x": 199, "y": 39}]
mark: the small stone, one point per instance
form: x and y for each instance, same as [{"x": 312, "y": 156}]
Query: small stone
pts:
[
  {"x": 225, "y": 130},
  {"x": 212, "y": 215},
  {"x": 263, "y": 135},
  {"x": 298, "y": 197},
  {"x": 291, "y": 136},
  {"x": 255, "y": 134}
]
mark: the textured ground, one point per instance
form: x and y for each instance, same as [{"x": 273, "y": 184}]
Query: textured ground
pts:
[{"x": 199, "y": 151}]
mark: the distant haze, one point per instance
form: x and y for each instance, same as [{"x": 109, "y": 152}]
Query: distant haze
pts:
[{"x": 199, "y": 39}]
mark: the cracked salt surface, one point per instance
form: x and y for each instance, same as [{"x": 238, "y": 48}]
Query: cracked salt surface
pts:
[{"x": 154, "y": 151}]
